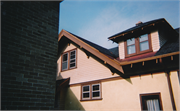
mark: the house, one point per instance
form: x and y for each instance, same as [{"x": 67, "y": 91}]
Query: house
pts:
[{"x": 141, "y": 73}]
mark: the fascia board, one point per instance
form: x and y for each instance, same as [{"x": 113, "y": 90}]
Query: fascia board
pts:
[{"x": 91, "y": 49}]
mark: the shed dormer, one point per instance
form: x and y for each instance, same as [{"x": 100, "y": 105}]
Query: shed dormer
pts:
[{"x": 147, "y": 37}]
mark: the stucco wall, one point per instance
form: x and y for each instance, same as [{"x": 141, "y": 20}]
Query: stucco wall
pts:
[
  {"x": 123, "y": 94},
  {"x": 88, "y": 69}
]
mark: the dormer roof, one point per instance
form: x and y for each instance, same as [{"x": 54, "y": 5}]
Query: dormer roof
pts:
[{"x": 142, "y": 28}]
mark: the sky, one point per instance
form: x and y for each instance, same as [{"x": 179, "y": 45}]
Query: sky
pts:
[{"x": 96, "y": 20}]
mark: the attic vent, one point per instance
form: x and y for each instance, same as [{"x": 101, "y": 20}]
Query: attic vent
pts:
[{"x": 138, "y": 23}]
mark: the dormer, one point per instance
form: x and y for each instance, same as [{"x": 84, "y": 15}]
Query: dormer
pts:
[{"x": 143, "y": 38}]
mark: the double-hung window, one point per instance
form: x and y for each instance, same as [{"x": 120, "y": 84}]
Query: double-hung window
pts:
[
  {"x": 138, "y": 45},
  {"x": 69, "y": 60},
  {"x": 151, "y": 102},
  {"x": 91, "y": 91}
]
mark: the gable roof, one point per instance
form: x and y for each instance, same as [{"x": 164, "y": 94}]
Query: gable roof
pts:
[
  {"x": 98, "y": 47},
  {"x": 94, "y": 49}
]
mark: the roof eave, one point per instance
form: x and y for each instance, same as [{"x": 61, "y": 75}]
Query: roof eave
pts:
[{"x": 91, "y": 49}]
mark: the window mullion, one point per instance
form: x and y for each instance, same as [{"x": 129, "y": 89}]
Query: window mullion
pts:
[
  {"x": 90, "y": 91},
  {"x": 137, "y": 45},
  {"x": 69, "y": 60}
]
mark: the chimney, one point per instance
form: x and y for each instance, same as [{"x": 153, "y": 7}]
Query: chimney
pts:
[{"x": 138, "y": 23}]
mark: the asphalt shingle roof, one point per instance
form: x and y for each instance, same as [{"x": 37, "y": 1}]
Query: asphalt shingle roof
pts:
[
  {"x": 98, "y": 47},
  {"x": 169, "y": 47},
  {"x": 138, "y": 26}
]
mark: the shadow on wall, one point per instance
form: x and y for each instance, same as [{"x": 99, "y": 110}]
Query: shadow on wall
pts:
[{"x": 72, "y": 103}]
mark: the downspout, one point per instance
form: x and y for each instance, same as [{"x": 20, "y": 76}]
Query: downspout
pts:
[{"x": 170, "y": 90}]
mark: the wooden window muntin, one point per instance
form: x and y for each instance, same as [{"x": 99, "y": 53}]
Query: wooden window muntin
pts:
[
  {"x": 69, "y": 59},
  {"x": 145, "y": 97},
  {"x": 137, "y": 46}
]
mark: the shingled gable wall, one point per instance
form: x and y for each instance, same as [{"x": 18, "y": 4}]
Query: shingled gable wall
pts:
[{"x": 29, "y": 33}]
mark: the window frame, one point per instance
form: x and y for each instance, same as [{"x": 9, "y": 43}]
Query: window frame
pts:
[
  {"x": 144, "y": 97},
  {"x": 91, "y": 91},
  {"x": 69, "y": 55},
  {"x": 137, "y": 47}
]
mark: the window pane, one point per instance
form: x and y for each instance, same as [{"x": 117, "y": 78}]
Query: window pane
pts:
[
  {"x": 130, "y": 41},
  {"x": 85, "y": 88},
  {"x": 95, "y": 87},
  {"x": 143, "y": 38},
  {"x": 72, "y": 65},
  {"x": 85, "y": 95},
  {"x": 96, "y": 94},
  {"x": 64, "y": 65},
  {"x": 73, "y": 56},
  {"x": 131, "y": 49},
  {"x": 144, "y": 45},
  {"x": 71, "y": 61},
  {"x": 73, "y": 53},
  {"x": 65, "y": 57}
]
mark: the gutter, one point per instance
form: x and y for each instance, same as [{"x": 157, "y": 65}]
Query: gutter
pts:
[{"x": 150, "y": 58}]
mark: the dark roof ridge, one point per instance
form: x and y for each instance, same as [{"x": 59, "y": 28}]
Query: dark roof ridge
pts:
[{"x": 137, "y": 26}]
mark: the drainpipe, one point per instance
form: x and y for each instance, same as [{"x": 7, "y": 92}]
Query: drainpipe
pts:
[{"x": 170, "y": 90}]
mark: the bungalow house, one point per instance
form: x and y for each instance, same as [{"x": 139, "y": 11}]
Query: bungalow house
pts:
[{"x": 142, "y": 73}]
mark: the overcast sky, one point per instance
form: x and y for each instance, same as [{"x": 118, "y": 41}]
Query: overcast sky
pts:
[{"x": 96, "y": 20}]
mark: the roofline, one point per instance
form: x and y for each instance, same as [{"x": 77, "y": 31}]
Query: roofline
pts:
[
  {"x": 123, "y": 34},
  {"x": 149, "y": 58},
  {"x": 82, "y": 44}
]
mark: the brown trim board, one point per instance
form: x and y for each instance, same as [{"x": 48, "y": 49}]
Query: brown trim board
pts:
[
  {"x": 94, "y": 51},
  {"x": 170, "y": 90},
  {"x": 149, "y": 58}
]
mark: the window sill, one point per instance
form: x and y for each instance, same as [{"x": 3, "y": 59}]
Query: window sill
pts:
[
  {"x": 91, "y": 99},
  {"x": 135, "y": 54},
  {"x": 68, "y": 69}
]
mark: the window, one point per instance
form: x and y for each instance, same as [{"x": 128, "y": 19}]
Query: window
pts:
[
  {"x": 151, "y": 102},
  {"x": 138, "y": 45},
  {"x": 69, "y": 60},
  {"x": 91, "y": 91}
]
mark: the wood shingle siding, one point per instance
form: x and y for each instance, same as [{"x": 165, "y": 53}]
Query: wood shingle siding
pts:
[
  {"x": 155, "y": 41},
  {"x": 121, "y": 50}
]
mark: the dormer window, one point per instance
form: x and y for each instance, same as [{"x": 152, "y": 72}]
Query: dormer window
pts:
[{"x": 138, "y": 45}]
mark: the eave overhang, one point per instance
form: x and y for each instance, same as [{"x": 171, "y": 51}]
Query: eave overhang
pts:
[
  {"x": 143, "y": 29},
  {"x": 149, "y": 58},
  {"x": 107, "y": 60},
  {"x": 160, "y": 63}
]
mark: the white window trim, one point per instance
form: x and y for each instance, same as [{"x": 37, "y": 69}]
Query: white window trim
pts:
[
  {"x": 96, "y": 91},
  {"x": 86, "y": 92}
]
